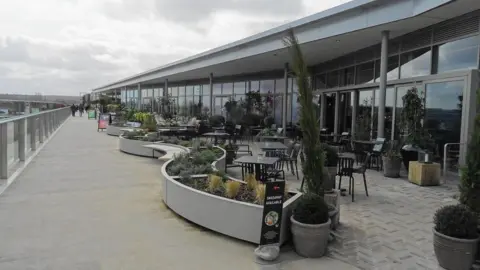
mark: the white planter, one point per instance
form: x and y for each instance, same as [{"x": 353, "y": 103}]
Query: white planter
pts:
[
  {"x": 230, "y": 217},
  {"x": 135, "y": 147},
  {"x": 115, "y": 131}
]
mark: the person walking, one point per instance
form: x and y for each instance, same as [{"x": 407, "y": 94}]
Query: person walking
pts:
[
  {"x": 73, "y": 108},
  {"x": 80, "y": 109}
]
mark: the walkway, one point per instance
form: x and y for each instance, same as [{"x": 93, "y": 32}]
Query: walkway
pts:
[{"x": 81, "y": 204}]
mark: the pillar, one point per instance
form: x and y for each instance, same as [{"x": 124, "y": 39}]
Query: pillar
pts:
[
  {"x": 323, "y": 108},
  {"x": 355, "y": 99},
  {"x": 285, "y": 100},
  {"x": 383, "y": 85},
  {"x": 139, "y": 97},
  {"x": 337, "y": 113},
  {"x": 211, "y": 93}
]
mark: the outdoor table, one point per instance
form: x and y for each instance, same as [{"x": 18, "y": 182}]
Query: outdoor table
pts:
[
  {"x": 216, "y": 135},
  {"x": 274, "y": 137},
  {"x": 270, "y": 147},
  {"x": 257, "y": 165}
]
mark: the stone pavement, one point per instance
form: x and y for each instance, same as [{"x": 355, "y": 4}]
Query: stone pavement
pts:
[
  {"x": 82, "y": 204},
  {"x": 390, "y": 229}
]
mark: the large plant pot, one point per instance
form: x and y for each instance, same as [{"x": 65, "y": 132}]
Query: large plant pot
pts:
[
  {"x": 310, "y": 240},
  {"x": 409, "y": 153},
  {"x": 391, "y": 166},
  {"x": 330, "y": 174},
  {"x": 454, "y": 253},
  {"x": 334, "y": 218}
]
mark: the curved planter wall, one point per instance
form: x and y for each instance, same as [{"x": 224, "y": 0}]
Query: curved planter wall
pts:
[
  {"x": 135, "y": 147},
  {"x": 230, "y": 217},
  {"x": 115, "y": 131}
]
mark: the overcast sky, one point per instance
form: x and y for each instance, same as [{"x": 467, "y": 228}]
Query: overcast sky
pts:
[{"x": 66, "y": 47}]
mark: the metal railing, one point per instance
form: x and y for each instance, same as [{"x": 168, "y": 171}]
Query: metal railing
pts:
[
  {"x": 451, "y": 156},
  {"x": 21, "y": 136}
]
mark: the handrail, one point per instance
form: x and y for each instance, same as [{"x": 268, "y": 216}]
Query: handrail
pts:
[
  {"x": 445, "y": 152},
  {"x": 25, "y": 116}
]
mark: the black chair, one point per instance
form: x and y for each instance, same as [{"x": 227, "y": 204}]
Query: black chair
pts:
[
  {"x": 291, "y": 158},
  {"x": 345, "y": 168},
  {"x": 376, "y": 153}
]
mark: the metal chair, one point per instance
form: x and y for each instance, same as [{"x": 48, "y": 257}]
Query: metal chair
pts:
[
  {"x": 346, "y": 168},
  {"x": 292, "y": 158}
]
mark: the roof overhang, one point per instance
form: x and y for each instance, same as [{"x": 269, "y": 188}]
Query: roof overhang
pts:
[{"x": 323, "y": 36}]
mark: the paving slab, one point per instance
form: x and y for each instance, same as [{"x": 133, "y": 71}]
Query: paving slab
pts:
[{"x": 82, "y": 204}]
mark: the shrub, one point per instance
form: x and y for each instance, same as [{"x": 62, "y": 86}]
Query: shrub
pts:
[
  {"x": 456, "y": 221},
  {"x": 216, "y": 120},
  {"x": 214, "y": 183},
  {"x": 260, "y": 193},
  {"x": 268, "y": 121},
  {"x": 231, "y": 189},
  {"x": 331, "y": 156},
  {"x": 251, "y": 181},
  {"x": 311, "y": 209}
]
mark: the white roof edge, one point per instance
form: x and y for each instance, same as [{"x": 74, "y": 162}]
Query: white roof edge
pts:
[{"x": 276, "y": 30}]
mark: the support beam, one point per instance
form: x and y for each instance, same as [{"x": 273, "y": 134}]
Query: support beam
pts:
[
  {"x": 383, "y": 85},
  {"x": 337, "y": 113},
  {"x": 139, "y": 97},
  {"x": 211, "y": 93},
  {"x": 354, "y": 113},
  {"x": 323, "y": 109},
  {"x": 285, "y": 100}
]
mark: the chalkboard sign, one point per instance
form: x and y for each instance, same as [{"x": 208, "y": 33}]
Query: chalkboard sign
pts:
[
  {"x": 272, "y": 213},
  {"x": 103, "y": 121}
]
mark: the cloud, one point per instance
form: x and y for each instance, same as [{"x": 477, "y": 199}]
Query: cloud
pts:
[{"x": 70, "y": 46}]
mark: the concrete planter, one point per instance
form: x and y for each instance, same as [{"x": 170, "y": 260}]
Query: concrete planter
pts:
[
  {"x": 135, "y": 147},
  {"x": 115, "y": 131},
  {"x": 392, "y": 166},
  {"x": 454, "y": 253},
  {"x": 310, "y": 240},
  {"x": 236, "y": 219}
]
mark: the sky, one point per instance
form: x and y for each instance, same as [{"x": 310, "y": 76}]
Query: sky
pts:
[{"x": 69, "y": 47}]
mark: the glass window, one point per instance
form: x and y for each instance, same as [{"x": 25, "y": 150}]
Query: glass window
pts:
[
  {"x": 347, "y": 76},
  {"x": 227, "y": 89},
  {"x": 392, "y": 68},
  {"x": 457, "y": 55},
  {"x": 181, "y": 90},
  {"x": 254, "y": 86},
  {"x": 181, "y": 106},
  {"x": 174, "y": 91},
  {"x": 217, "y": 88},
  {"x": 332, "y": 79},
  {"x": 363, "y": 123},
  {"x": 206, "y": 89},
  {"x": 277, "y": 109},
  {"x": 206, "y": 104},
  {"x": 280, "y": 86},
  {"x": 169, "y": 91},
  {"x": 320, "y": 81},
  {"x": 197, "y": 90},
  {"x": 364, "y": 73},
  {"x": 416, "y": 63},
  {"x": 239, "y": 88},
  {"x": 189, "y": 90},
  {"x": 267, "y": 86},
  {"x": 444, "y": 112}
]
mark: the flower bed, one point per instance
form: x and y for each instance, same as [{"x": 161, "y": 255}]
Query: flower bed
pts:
[
  {"x": 133, "y": 143},
  {"x": 231, "y": 208}
]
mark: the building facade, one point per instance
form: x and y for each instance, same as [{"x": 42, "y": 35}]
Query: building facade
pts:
[{"x": 363, "y": 56}]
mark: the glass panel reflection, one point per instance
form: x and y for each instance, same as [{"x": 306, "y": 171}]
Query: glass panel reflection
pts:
[
  {"x": 443, "y": 107},
  {"x": 457, "y": 55},
  {"x": 363, "y": 123},
  {"x": 416, "y": 63}
]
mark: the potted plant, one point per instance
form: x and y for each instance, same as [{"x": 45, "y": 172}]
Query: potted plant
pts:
[
  {"x": 411, "y": 121},
  {"x": 331, "y": 160},
  {"x": 392, "y": 160},
  {"x": 455, "y": 237},
  {"x": 310, "y": 220}
]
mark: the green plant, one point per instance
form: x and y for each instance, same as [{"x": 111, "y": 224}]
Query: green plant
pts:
[
  {"x": 311, "y": 209},
  {"x": 260, "y": 193},
  {"x": 470, "y": 177},
  {"x": 312, "y": 154},
  {"x": 214, "y": 183},
  {"x": 456, "y": 221},
  {"x": 251, "y": 181},
  {"x": 331, "y": 155},
  {"x": 231, "y": 189},
  {"x": 217, "y": 120},
  {"x": 268, "y": 121},
  {"x": 393, "y": 149},
  {"x": 411, "y": 118}
]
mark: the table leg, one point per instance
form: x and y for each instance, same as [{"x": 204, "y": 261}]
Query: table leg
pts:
[
  {"x": 216, "y": 140},
  {"x": 258, "y": 172}
]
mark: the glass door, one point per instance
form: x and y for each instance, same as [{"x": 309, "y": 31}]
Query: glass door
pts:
[{"x": 400, "y": 91}]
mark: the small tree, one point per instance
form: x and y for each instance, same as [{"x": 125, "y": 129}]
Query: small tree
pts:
[
  {"x": 312, "y": 154},
  {"x": 470, "y": 178}
]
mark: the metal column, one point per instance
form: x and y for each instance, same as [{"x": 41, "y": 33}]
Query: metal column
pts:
[
  {"x": 285, "y": 100},
  {"x": 383, "y": 85},
  {"x": 337, "y": 112},
  {"x": 139, "y": 97},
  {"x": 323, "y": 108},
  {"x": 354, "y": 113}
]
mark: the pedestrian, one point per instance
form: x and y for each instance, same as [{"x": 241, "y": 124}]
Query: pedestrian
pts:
[
  {"x": 73, "y": 108},
  {"x": 80, "y": 109}
]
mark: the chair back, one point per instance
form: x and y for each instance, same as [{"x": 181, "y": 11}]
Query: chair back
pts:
[
  {"x": 345, "y": 166},
  {"x": 289, "y": 145},
  {"x": 296, "y": 150},
  {"x": 363, "y": 169}
]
